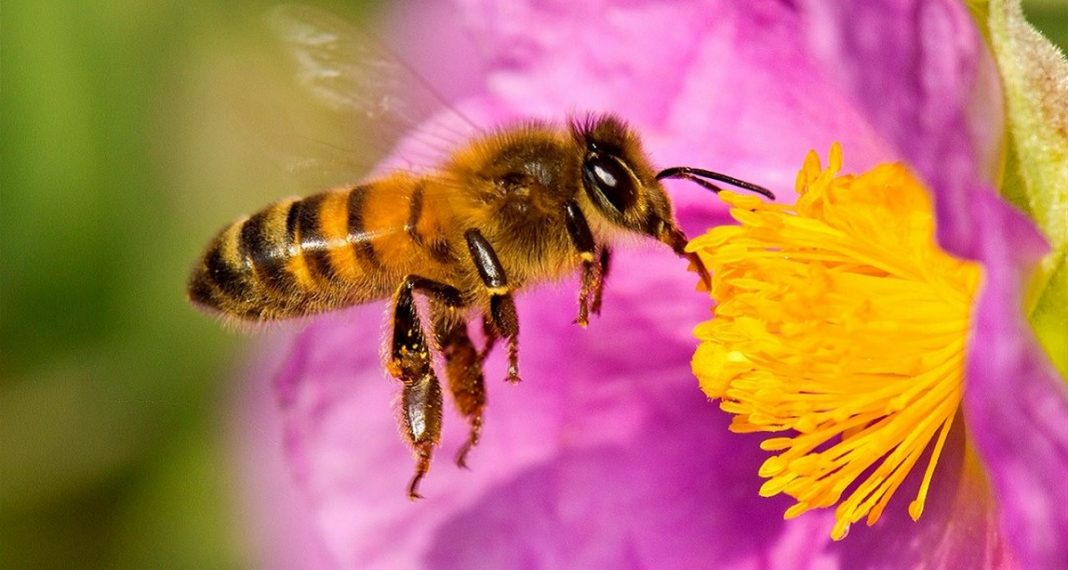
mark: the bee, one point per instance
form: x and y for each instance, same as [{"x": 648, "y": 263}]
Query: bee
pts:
[{"x": 507, "y": 210}]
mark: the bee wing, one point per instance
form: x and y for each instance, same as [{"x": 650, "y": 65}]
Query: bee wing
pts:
[{"x": 369, "y": 94}]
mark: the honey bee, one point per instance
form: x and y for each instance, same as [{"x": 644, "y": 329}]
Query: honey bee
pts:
[{"x": 509, "y": 209}]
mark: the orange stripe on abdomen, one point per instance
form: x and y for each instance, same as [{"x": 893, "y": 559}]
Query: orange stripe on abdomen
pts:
[
  {"x": 386, "y": 208},
  {"x": 333, "y": 230}
]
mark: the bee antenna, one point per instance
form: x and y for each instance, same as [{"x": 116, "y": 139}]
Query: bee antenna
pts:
[{"x": 699, "y": 175}]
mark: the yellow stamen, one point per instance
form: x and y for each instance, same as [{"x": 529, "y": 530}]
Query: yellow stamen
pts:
[{"x": 839, "y": 321}]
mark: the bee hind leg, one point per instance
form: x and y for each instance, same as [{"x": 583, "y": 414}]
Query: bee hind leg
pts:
[
  {"x": 410, "y": 363},
  {"x": 463, "y": 367}
]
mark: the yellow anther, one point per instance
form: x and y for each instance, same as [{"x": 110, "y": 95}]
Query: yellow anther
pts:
[{"x": 841, "y": 326}]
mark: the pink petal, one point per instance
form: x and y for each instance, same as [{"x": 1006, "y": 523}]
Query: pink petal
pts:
[
  {"x": 280, "y": 530},
  {"x": 1015, "y": 402}
]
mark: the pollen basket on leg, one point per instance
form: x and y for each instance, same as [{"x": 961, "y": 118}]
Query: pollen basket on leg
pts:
[{"x": 842, "y": 325}]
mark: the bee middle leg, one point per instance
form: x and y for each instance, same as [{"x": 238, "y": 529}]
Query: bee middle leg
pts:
[
  {"x": 502, "y": 311},
  {"x": 410, "y": 362},
  {"x": 463, "y": 368}
]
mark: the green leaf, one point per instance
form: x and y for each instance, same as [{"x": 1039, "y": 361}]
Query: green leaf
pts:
[{"x": 1034, "y": 77}]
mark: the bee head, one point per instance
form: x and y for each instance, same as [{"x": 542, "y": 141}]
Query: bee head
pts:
[{"x": 620, "y": 181}]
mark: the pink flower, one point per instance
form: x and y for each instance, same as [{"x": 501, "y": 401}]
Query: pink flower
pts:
[{"x": 607, "y": 455}]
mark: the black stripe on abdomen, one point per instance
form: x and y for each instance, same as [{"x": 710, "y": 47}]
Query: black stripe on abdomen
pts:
[
  {"x": 361, "y": 242},
  {"x": 229, "y": 278},
  {"x": 269, "y": 254},
  {"x": 313, "y": 244}
]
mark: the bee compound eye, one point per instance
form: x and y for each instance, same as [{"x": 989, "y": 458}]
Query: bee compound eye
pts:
[{"x": 606, "y": 177}]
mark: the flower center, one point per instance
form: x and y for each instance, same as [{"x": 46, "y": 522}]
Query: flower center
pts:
[{"x": 840, "y": 323}]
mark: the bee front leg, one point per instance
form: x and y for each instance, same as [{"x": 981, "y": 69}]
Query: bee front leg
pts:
[
  {"x": 463, "y": 367},
  {"x": 594, "y": 267},
  {"x": 410, "y": 362},
  {"x": 502, "y": 311},
  {"x": 598, "y": 285}
]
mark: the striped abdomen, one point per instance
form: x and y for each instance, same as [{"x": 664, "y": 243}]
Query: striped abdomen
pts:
[{"x": 330, "y": 250}]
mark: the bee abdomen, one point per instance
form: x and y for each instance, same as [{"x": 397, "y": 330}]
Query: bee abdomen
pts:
[{"x": 294, "y": 258}]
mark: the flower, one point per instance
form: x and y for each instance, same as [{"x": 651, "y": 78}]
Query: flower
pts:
[{"x": 606, "y": 455}]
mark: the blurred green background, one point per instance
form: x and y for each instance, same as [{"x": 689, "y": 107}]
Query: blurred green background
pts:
[{"x": 119, "y": 155}]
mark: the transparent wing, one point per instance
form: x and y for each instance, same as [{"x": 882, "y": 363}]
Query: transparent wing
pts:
[{"x": 373, "y": 94}]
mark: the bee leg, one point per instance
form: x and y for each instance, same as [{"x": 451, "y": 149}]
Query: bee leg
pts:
[
  {"x": 502, "y": 311},
  {"x": 410, "y": 362},
  {"x": 592, "y": 279},
  {"x": 490, "y": 333},
  {"x": 463, "y": 368},
  {"x": 506, "y": 321},
  {"x": 592, "y": 291},
  {"x": 602, "y": 274}
]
